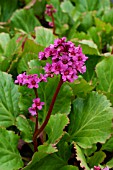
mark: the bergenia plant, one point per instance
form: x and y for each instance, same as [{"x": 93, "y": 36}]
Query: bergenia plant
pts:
[
  {"x": 66, "y": 60},
  {"x": 56, "y": 85}
]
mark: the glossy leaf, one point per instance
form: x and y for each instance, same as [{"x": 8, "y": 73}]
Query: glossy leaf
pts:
[
  {"x": 47, "y": 91},
  {"x": 52, "y": 161},
  {"x": 104, "y": 71},
  {"x": 80, "y": 157},
  {"x": 24, "y": 20},
  {"x": 9, "y": 95},
  {"x": 25, "y": 129},
  {"x": 96, "y": 159},
  {"x": 80, "y": 86},
  {"x": 55, "y": 126},
  {"x": 4, "y": 38},
  {"x": 9, "y": 156},
  {"x": 44, "y": 36},
  {"x": 7, "y": 9},
  {"x": 110, "y": 163},
  {"x": 69, "y": 167},
  {"x": 88, "y": 46},
  {"x": 23, "y": 63},
  {"x": 89, "y": 118},
  {"x": 108, "y": 146}
]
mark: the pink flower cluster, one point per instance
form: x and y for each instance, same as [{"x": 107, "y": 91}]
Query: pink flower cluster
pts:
[
  {"x": 50, "y": 9},
  {"x": 67, "y": 60},
  {"x": 31, "y": 81},
  {"x": 37, "y": 104}
]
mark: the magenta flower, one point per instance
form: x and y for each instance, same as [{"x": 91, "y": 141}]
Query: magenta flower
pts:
[
  {"x": 57, "y": 67},
  {"x": 21, "y": 79},
  {"x": 50, "y": 9},
  {"x": 48, "y": 68},
  {"x": 43, "y": 78},
  {"x": 51, "y": 24},
  {"x": 42, "y": 56},
  {"x": 37, "y": 105},
  {"x": 97, "y": 168},
  {"x": 32, "y": 110},
  {"x": 66, "y": 75},
  {"x": 33, "y": 81}
]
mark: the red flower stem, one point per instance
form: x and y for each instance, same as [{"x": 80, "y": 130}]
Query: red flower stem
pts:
[
  {"x": 36, "y": 125},
  {"x": 53, "y": 21},
  {"x": 50, "y": 110}
]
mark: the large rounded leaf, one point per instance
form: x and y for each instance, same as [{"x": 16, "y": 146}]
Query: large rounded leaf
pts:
[
  {"x": 9, "y": 96},
  {"x": 104, "y": 71},
  {"x": 9, "y": 156},
  {"x": 91, "y": 120},
  {"x": 24, "y": 20}
]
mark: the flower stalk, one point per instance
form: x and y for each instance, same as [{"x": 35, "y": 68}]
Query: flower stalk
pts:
[{"x": 38, "y": 131}]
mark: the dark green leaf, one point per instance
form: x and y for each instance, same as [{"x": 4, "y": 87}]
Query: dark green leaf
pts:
[
  {"x": 80, "y": 157},
  {"x": 96, "y": 159},
  {"x": 9, "y": 156},
  {"x": 91, "y": 120},
  {"x": 108, "y": 146},
  {"x": 25, "y": 20},
  {"x": 44, "y": 36},
  {"x": 9, "y": 95},
  {"x": 55, "y": 126},
  {"x": 25, "y": 128},
  {"x": 7, "y": 8},
  {"x": 104, "y": 71}
]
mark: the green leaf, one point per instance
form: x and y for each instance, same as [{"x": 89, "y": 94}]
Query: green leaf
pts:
[
  {"x": 44, "y": 36},
  {"x": 89, "y": 151},
  {"x": 7, "y": 8},
  {"x": 87, "y": 21},
  {"x": 9, "y": 95},
  {"x": 90, "y": 74},
  {"x": 110, "y": 163},
  {"x": 9, "y": 156},
  {"x": 13, "y": 47},
  {"x": 25, "y": 100},
  {"x": 104, "y": 71},
  {"x": 63, "y": 100},
  {"x": 88, "y": 46},
  {"x": 43, "y": 151},
  {"x": 32, "y": 47},
  {"x": 64, "y": 147},
  {"x": 87, "y": 5},
  {"x": 25, "y": 128},
  {"x": 108, "y": 146},
  {"x": 95, "y": 35},
  {"x": 67, "y": 7},
  {"x": 80, "y": 86},
  {"x": 50, "y": 162},
  {"x": 91, "y": 120},
  {"x": 96, "y": 159},
  {"x": 69, "y": 167},
  {"x": 24, "y": 20},
  {"x": 4, "y": 38},
  {"x": 80, "y": 157},
  {"x": 107, "y": 17},
  {"x": 23, "y": 63},
  {"x": 55, "y": 126}
]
